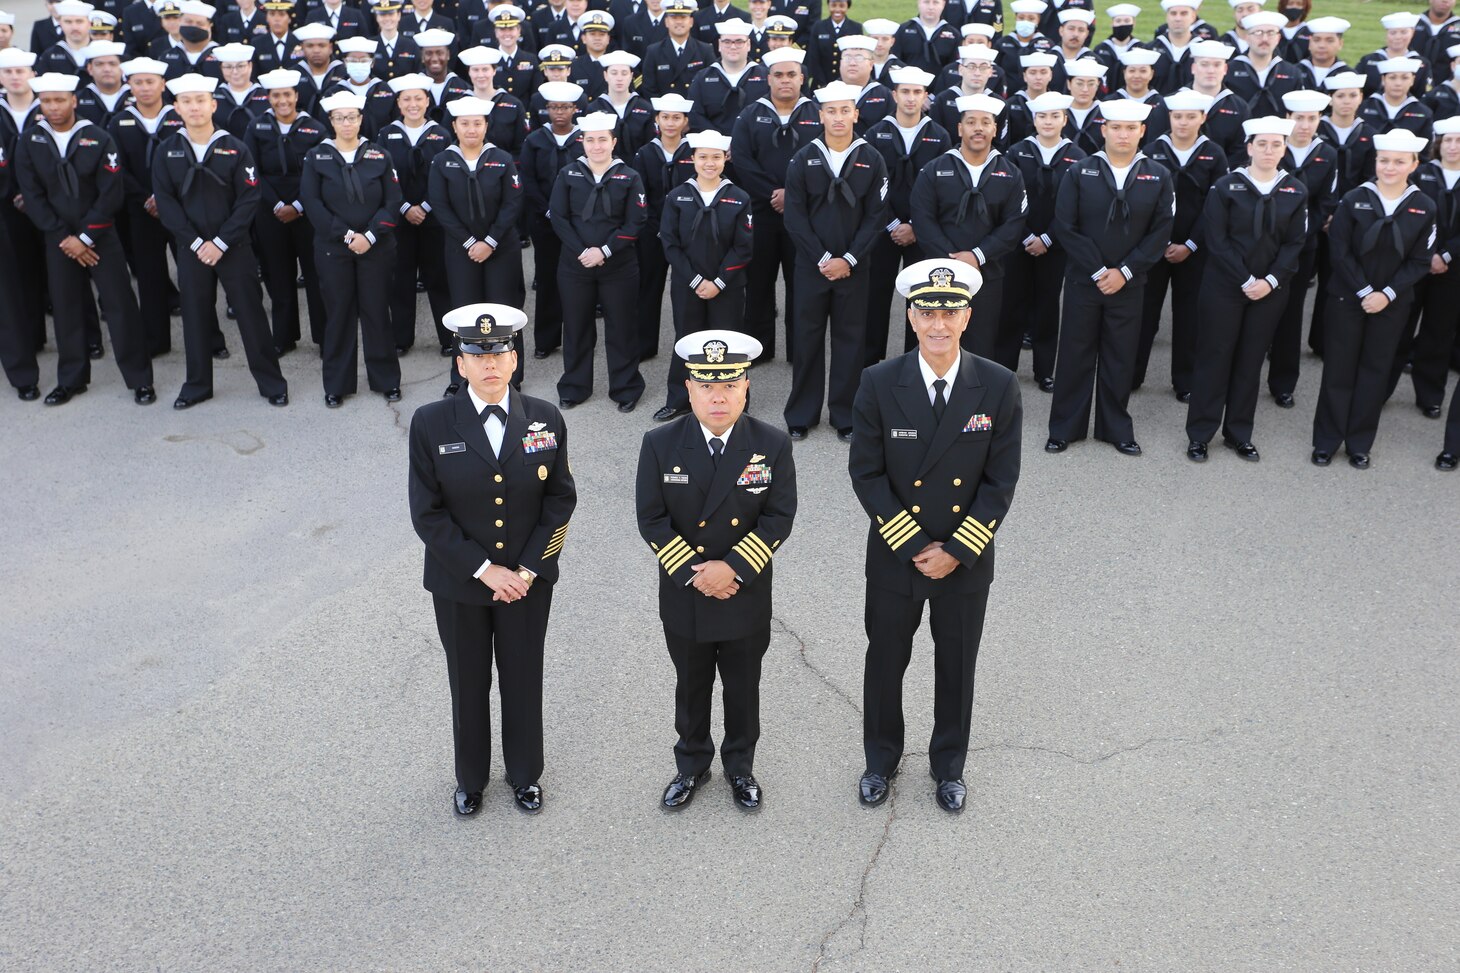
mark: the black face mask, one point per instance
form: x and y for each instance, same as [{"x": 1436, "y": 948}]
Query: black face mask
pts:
[
  {"x": 193, "y": 35},
  {"x": 1123, "y": 32},
  {"x": 1293, "y": 14}
]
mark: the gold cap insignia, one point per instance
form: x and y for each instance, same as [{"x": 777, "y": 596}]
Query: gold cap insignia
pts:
[
  {"x": 715, "y": 352},
  {"x": 941, "y": 277}
]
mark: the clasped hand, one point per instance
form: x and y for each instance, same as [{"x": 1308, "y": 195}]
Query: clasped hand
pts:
[
  {"x": 715, "y": 579},
  {"x": 507, "y": 585},
  {"x": 934, "y": 562}
]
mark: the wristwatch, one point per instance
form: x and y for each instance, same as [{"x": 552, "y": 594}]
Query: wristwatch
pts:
[{"x": 525, "y": 575}]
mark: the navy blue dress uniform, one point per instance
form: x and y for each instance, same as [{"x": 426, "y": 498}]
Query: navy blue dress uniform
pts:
[
  {"x": 605, "y": 211},
  {"x": 762, "y": 146},
  {"x": 1355, "y": 148},
  {"x": 718, "y": 101},
  {"x": 479, "y": 201},
  {"x": 213, "y": 199},
  {"x": 139, "y": 26},
  {"x": 396, "y": 57},
  {"x": 1205, "y": 162},
  {"x": 1440, "y": 294},
  {"x": 518, "y": 75},
  {"x": 274, "y": 53},
  {"x": 17, "y": 333},
  {"x": 345, "y": 19},
  {"x": 705, "y": 239},
  {"x": 344, "y": 196},
  {"x": 418, "y": 248},
  {"x": 635, "y": 127},
  {"x": 1253, "y": 233},
  {"x": 237, "y": 109},
  {"x": 1032, "y": 285},
  {"x": 286, "y": 250},
  {"x": 27, "y": 242},
  {"x": 823, "y": 56},
  {"x": 661, "y": 171},
  {"x": 180, "y": 62},
  {"x": 146, "y": 238},
  {"x": 233, "y": 28},
  {"x": 905, "y": 155},
  {"x": 543, "y": 156},
  {"x": 1373, "y": 250},
  {"x": 705, "y": 498},
  {"x": 1413, "y": 116},
  {"x": 1264, "y": 96},
  {"x": 72, "y": 186},
  {"x": 930, "y": 49},
  {"x": 1316, "y": 165},
  {"x": 1104, "y": 225},
  {"x": 833, "y": 211},
  {"x": 934, "y": 459},
  {"x": 640, "y": 30},
  {"x": 1371, "y": 66},
  {"x": 491, "y": 489},
  {"x": 709, "y": 15},
  {"x": 668, "y": 67},
  {"x": 379, "y": 101},
  {"x": 956, "y": 211}
]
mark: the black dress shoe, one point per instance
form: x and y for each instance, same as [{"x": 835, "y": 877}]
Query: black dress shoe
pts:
[
  {"x": 669, "y": 412},
  {"x": 1026, "y": 342},
  {"x": 629, "y": 406},
  {"x": 144, "y": 395},
  {"x": 797, "y": 433},
  {"x": 451, "y": 390},
  {"x": 222, "y": 354},
  {"x": 60, "y": 395},
  {"x": 1429, "y": 411},
  {"x": 1183, "y": 396},
  {"x": 420, "y": 287},
  {"x": 1446, "y": 461},
  {"x": 1283, "y": 399},
  {"x": 951, "y": 795},
  {"x": 747, "y": 792},
  {"x": 873, "y": 789},
  {"x": 230, "y": 312},
  {"x": 845, "y": 435},
  {"x": 1245, "y": 450},
  {"x": 299, "y": 282},
  {"x": 1196, "y": 452},
  {"x": 467, "y": 803},
  {"x": 333, "y": 401},
  {"x": 28, "y": 394},
  {"x": 95, "y": 351},
  {"x": 1359, "y": 461},
  {"x": 1321, "y": 457},
  {"x": 681, "y": 790},
  {"x": 186, "y": 402},
  {"x": 528, "y": 797},
  {"x": 540, "y": 353},
  {"x": 281, "y": 350},
  {"x": 1131, "y": 448},
  {"x": 569, "y": 403},
  {"x": 1046, "y": 384},
  {"x": 392, "y": 395},
  {"x": 400, "y": 351},
  {"x": 282, "y": 399},
  {"x": 1055, "y": 445},
  {"x": 447, "y": 351}
]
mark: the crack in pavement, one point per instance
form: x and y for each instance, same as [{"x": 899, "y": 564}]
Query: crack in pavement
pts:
[
  {"x": 806, "y": 660},
  {"x": 1214, "y": 734},
  {"x": 393, "y": 406}
]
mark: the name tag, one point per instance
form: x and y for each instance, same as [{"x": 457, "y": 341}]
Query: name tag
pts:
[
  {"x": 904, "y": 434},
  {"x": 676, "y": 477},
  {"x": 451, "y": 448}
]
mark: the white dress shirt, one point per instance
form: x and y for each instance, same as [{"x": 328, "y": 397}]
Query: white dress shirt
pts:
[{"x": 930, "y": 376}]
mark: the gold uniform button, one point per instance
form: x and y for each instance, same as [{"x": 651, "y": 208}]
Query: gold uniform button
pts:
[
  {"x": 957, "y": 481},
  {"x": 734, "y": 521},
  {"x": 916, "y": 509},
  {"x": 499, "y": 501},
  {"x": 956, "y": 508},
  {"x": 498, "y": 479},
  {"x": 499, "y": 523},
  {"x": 699, "y": 550},
  {"x": 917, "y": 482},
  {"x": 500, "y": 545},
  {"x": 702, "y": 523}
]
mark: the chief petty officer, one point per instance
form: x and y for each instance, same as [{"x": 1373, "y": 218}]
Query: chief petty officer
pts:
[
  {"x": 279, "y": 140},
  {"x": 491, "y": 494},
  {"x": 69, "y": 174},
  {"x": 1113, "y": 215},
  {"x": 476, "y": 197},
  {"x": 836, "y": 204},
  {"x": 706, "y": 231},
  {"x": 1381, "y": 242},
  {"x": 544, "y": 153},
  {"x": 716, "y": 499},
  {"x": 205, "y": 183},
  {"x": 934, "y": 462},
  {"x": 1256, "y": 223},
  {"x": 969, "y": 205},
  {"x": 414, "y": 140},
  {"x": 353, "y": 201},
  {"x": 598, "y": 210}
]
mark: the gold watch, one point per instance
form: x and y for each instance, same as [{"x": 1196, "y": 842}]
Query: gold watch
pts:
[{"x": 525, "y": 575}]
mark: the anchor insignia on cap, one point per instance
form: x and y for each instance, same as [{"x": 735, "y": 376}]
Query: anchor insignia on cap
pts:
[
  {"x": 941, "y": 277},
  {"x": 715, "y": 352}
]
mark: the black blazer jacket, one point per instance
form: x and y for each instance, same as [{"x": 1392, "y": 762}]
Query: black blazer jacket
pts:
[
  {"x": 691, "y": 512},
  {"x": 469, "y": 506},
  {"x": 922, "y": 481}
]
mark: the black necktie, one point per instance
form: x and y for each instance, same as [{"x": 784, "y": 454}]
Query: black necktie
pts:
[
  {"x": 940, "y": 404},
  {"x": 716, "y": 445},
  {"x": 495, "y": 410}
]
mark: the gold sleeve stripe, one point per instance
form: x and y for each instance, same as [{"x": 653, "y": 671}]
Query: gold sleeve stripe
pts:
[
  {"x": 555, "y": 543},
  {"x": 760, "y": 545},
  {"x": 674, "y": 565},
  {"x": 974, "y": 544},
  {"x": 896, "y": 524},
  {"x": 676, "y": 554},
  {"x": 903, "y": 536},
  {"x": 755, "y": 551},
  {"x": 675, "y": 545},
  {"x": 751, "y": 557},
  {"x": 970, "y": 524}
]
